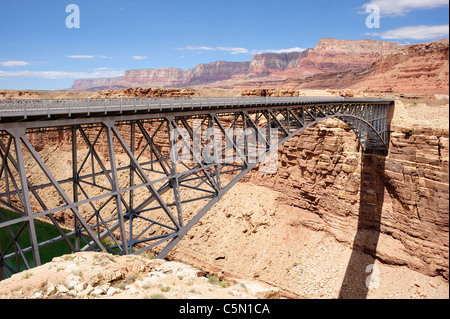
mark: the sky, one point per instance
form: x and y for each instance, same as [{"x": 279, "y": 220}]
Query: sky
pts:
[{"x": 47, "y": 44}]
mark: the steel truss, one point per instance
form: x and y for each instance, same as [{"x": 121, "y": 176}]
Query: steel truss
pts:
[{"x": 138, "y": 182}]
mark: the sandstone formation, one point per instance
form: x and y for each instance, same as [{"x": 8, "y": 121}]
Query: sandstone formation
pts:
[
  {"x": 143, "y": 92},
  {"x": 270, "y": 92},
  {"x": 168, "y": 77},
  {"x": 104, "y": 276},
  {"x": 216, "y": 71},
  {"x": 336, "y": 212},
  {"x": 265, "y": 64},
  {"x": 139, "y": 92},
  {"x": 404, "y": 196},
  {"x": 419, "y": 69},
  {"x": 330, "y": 55},
  {"x": 366, "y": 65}
]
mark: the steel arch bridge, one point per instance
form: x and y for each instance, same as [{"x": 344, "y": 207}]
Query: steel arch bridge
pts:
[{"x": 140, "y": 173}]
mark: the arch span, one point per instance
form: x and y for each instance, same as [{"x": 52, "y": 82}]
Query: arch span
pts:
[{"x": 136, "y": 176}]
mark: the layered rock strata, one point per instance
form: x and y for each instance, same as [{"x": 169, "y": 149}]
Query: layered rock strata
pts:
[
  {"x": 330, "y": 55},
  {"x": 168, "y": 77},
  {"x": 399, "y": 204}
]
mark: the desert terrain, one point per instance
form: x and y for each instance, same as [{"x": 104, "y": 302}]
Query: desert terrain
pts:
[{"x": 272, "y": 233}]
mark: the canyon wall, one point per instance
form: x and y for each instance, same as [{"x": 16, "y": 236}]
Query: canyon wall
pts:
[
  {"x": 330, "y": 212},
  {"x": 421, "y": 68},
  {"x": 399, "y": 202},
  {"x": 417, "y": 68},
  {"x": 265, "y": 64},
  {"x": 333, "y": 55},
  {"x": 168, "y": 77}
]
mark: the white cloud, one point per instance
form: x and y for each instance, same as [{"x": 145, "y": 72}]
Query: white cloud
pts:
[
  {"x": 241, "y": 50},
  {"x": 419, "y": 33},
  {"x": 402, "y": 7},
  {"x": 279, "y": 51},
  {"x": 86, "y": 57},
  {"x": 203, "y": 48},
  {"x": 233, "y": 50},
  {"x": 14, "y": 63},
  {"x": 197, "y": 48},
  {"x": 97, "y": 73},
  {"x": 81, "y": 56},
  {"x": 139, "y": 57}
]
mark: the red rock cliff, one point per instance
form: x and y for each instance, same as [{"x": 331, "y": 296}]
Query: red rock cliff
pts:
[
  {"x": 330, "y": 55},
  {"x": 169, "y": 77},
  {"x": 265, "y": 64},
  {"x": 419, "y": 68},
  {"x": 398, "y": 204}
]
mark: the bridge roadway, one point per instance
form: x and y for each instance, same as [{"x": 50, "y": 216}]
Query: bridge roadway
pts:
[{"x": 152, "y": 210}]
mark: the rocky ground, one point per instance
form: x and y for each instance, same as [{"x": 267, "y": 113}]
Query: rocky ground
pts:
[{"x": 105, "y": 276}]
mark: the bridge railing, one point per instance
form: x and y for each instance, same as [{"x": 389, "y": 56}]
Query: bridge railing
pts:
[
  {"x": 32, "y": 106},
  {"x": 29, "y": 107}
]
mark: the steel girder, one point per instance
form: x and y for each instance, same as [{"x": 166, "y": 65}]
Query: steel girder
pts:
[{"x": 137, "y": 183}]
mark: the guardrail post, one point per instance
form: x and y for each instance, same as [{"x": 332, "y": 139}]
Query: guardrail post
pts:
[{"x": 24, "y": 111}]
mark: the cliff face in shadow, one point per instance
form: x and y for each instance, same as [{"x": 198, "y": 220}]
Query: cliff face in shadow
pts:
[{"x": 361, "y": 265}]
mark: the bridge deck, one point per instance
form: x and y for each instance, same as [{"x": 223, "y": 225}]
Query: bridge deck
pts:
[{"x": 41, "y": 109}]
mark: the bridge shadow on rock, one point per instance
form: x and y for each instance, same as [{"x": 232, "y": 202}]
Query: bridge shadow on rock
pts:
[{"x": 360, "y": 267}]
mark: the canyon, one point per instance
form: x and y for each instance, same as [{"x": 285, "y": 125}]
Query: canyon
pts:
[{"x": 330, "y": 211}]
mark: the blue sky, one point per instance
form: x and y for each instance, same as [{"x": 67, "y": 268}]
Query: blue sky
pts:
[{"x": 39, "y": 51}]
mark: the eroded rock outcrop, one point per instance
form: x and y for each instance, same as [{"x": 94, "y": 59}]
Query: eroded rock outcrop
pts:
[
  {"x": 104, "y": 276},
  {"x": 417, "y": 68},
  {"x": 271, "y": 93},
  {"x": 168, "y": 77},
  {"x": 399, "y": 203},
  {"x": 267, "y": 63},
  {"x": 333, "y": 55}
]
